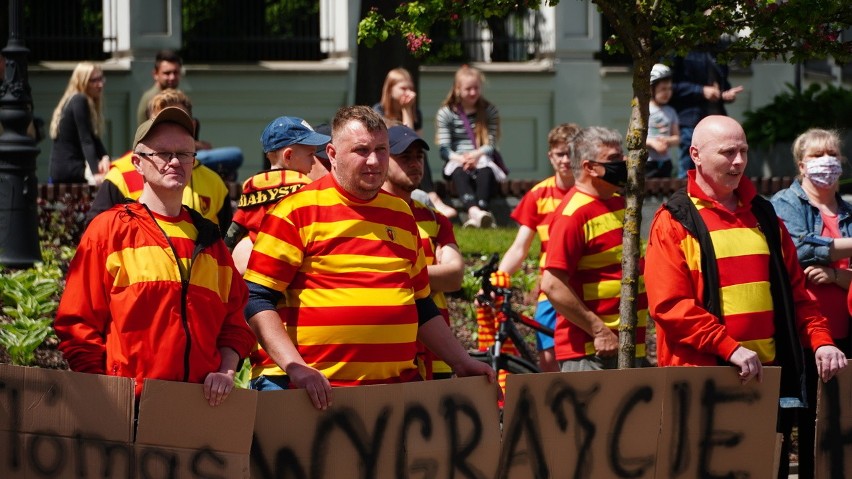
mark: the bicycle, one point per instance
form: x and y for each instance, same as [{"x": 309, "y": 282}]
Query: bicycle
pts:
[{"x": 501, "y": 304}]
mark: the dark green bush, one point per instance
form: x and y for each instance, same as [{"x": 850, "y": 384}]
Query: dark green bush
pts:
[{"x": 793, "y": 112}]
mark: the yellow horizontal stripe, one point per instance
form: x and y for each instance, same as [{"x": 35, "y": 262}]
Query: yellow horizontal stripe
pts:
[
  {"x": 610, "y": 288},
  {"x": 261, "y": 370},
  {"x": 355, "y": 371},
  {"x": 602, "y": 259},
  {"x": 738, "y": 242},
  {"x": 577, "y": 201},
  {"x": 337, "y": 297},
  {"x": 349, "y": 334},
  {"x": 353, "y": 263},
  {"x": 613, "y": 320},
  {"x": 602, "y": 290},
  {"x": 360, "y": 229},
  {"x": 136, "y": 265},
  {"x": 181, "y": 229},
  {"x": 347, "y": 371},
  {"x": 264, "y": 280},
  {"x": 765, "y": 348},
  {"x": 276, "y": 248},
  {"x": 603, "y": 224},
  {"x": 208, "y": 273},
  {"x": 746, "y": 298}
]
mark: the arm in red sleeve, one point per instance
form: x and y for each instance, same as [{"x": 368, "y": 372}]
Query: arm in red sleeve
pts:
[
  {"x": 236, "y": 333},
  {"x": 83, "y": 315}
]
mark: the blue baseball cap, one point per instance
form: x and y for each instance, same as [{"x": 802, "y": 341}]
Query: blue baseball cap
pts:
[
  {"x": 401, "y": 137},
  {"x": 290, "y": 130}
]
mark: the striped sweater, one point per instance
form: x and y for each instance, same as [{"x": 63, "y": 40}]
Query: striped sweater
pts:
[{"x": 350, "y": 271}]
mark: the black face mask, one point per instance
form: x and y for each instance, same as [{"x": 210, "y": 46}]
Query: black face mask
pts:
[{"x": 615, "y": 173}]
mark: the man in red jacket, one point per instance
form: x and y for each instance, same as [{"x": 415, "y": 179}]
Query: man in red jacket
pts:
[
  {"x": 152, "y": 291},
  {"x": 726, "y": 286}
]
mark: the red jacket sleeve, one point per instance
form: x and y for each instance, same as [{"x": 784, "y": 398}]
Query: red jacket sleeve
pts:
[
  {"x": 235, "y": 332},
  {"x": 83, "y": 315}
]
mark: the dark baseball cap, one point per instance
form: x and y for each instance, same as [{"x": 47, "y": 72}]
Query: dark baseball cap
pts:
[
  {"x": 290, "y": 130},
  {"x": 401, "y": 137},
  {"x": 171, "y": 114},
  {"x": 323, "y": 129}
]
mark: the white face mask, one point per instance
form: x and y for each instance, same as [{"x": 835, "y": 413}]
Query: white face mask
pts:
[{"x": 823, "y": 171}]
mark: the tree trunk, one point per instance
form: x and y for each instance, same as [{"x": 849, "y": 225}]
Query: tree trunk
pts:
[{"x": 637, "y": 156}]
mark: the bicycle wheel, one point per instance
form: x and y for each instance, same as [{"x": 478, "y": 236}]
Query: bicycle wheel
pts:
[{"x": 509, "y": 363}]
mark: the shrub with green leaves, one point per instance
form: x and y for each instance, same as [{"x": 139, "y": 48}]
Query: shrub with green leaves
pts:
[
  {"x": 793, "y": 112},
  {"x": 29, "y": 301}
]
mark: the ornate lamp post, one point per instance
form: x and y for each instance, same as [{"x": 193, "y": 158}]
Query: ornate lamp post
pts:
[{"x": 19, "y": 244}]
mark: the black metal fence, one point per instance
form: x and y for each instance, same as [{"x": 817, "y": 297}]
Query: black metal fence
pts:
[
  {"x": 238, "y": 31},
  {"x": 62, "y": 30}
]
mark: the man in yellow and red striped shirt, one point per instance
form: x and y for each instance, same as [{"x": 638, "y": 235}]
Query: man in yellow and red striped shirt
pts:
[
  {"x": 338, "y": 285},
  {"x": 533, "y": 214},
  {"x": 582, "y": 276},
  {"x": 444, "y": 261}
]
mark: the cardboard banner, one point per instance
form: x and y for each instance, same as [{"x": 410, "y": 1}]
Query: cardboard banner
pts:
[
  {"x": 61, "y": 424},
  {"x": 640, "y": 423},
  {"x": 834, "y": 428},
  {"x": 448, "y": 428}
]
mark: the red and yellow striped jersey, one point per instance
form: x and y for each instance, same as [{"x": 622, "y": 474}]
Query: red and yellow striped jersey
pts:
[
  {"x": 350, "y": 271},
  {"x": 435, "y": 230},
  {"x": 261, "y": 192},
  {"x": 535, "y": 208},
  {"x": 586, "y": 242}
]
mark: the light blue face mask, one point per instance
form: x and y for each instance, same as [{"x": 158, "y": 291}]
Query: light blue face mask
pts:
[{"x": 823, "y": 171}]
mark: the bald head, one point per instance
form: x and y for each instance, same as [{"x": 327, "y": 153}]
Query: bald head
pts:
[
  {"x": 711, "y": 127},
  {"x": 720, "y": 153}
]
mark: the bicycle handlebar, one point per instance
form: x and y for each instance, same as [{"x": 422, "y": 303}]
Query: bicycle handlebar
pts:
[
  {"x": 485, "y": 297},
  {"x": 488, "y": 268}
]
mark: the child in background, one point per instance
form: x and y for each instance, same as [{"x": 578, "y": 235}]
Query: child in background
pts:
[
  {"x": 467, "y": 130},
  {"x": 663, "y": 126}
]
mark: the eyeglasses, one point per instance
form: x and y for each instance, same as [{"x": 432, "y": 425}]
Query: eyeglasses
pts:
[
  {"x": 97, "y": 80},
  {"x": 185, "y": 157}
]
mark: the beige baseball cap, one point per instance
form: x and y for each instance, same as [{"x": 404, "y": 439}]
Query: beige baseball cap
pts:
[{"x": 171, "y": 114}]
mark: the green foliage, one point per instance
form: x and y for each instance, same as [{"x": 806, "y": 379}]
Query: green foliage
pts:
[
  {"x": 243, "y": 377},
  {"x": 651, "y": 30},
  {"x": 413, "y": 20},
  {"x": 484, "y": 242},
  {"x": 22, "y": 337},
  {"x": 29, "y": 300},
  {"x": 28, "y": 294},
  {"x": 792, "y": 112}
]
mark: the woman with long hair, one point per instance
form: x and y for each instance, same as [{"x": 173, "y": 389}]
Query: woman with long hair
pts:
[
  {"x": 398, "y": 105},
  {"x": 468, "y": 126},
  {"x": 78, "y": 155}
]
